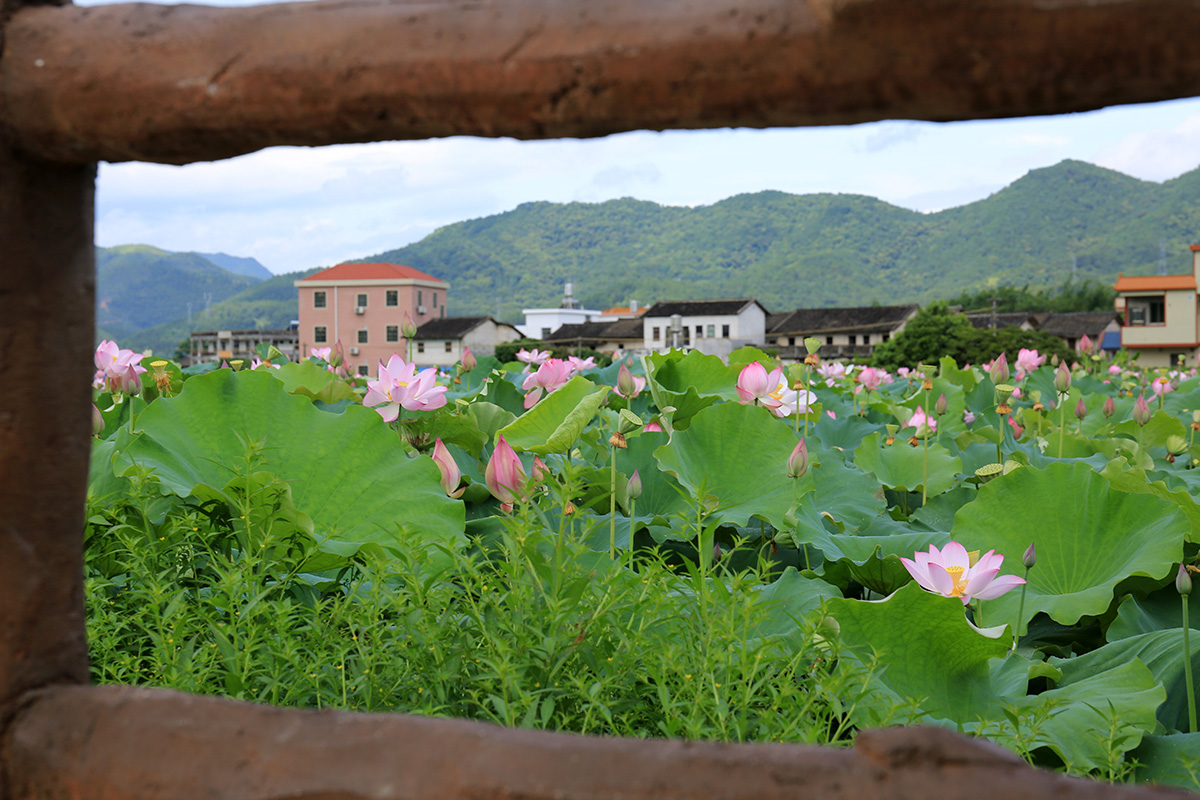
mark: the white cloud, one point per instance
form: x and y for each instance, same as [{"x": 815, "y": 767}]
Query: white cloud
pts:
[{"x": 1156, "y": 155}]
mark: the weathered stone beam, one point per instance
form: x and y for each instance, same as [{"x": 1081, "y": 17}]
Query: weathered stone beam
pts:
[
  {"x": 187, "y": 83},
  {"x": 123, "y": 743}
]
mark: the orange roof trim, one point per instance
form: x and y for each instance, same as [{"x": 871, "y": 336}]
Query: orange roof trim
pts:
[
  {"x": 371, "y": 272},
  {"x": 1142, "y": 283},
  {"x": 625, "y": 310}
]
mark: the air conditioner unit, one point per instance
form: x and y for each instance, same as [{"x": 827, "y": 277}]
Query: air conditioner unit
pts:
[
  {"x": 353, "y": 351},
  {"x": 360, "y": 309},
  {"x": 421, "y": 309}
]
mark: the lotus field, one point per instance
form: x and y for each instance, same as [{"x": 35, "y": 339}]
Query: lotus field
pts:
[{"x": 672, "y": 546}]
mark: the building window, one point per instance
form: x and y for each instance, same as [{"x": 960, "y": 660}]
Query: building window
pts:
[
  {"x": 393, "y": 297},
  {"x": 318, "y": 299},
  {"x": 1146, "y": 311},
  {"x": 362, "y": 336},
  {"x": 363, "y": 369},
  {"x": 319, "y": 334},
  {"x": 886, "y": 336},
  {"x": 724, "y": 331},
  {"x": 712, "y": 331},
  {"x": 449, "y": 347},
  {"x": 699, "y": 331},
  {"x": 362, "y": 301},
  {"x": 420, "y": 347},
  {"x": 545, "y": 332},
  {"x": 1178, "y": 359},
  {"x": 866, "y": 338},
  {"x": 791, "y": 341},
  {"x": 443, "y": 313},
  {"x": 828, "y": 340},
  {"x": 420, "y": 297},
  {"x": 853, "y": 339},
  {"x": 434, "y": 303},
  {"x": 655, "y": 334},
  {"x": 393, "y": 333}
]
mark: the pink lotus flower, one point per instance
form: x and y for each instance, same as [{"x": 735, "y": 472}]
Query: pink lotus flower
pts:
[
  {"x": 505, "y": 475},
  {"x": 968, "y": 417},
  {"x": 652, "y": 427},
  {"x": 451, "y": 475},
  {"x": 629, "y": 385},
  {"x": 921, "y": 422},
  {"x": 322, "y": 353},
  {"x": 118, "y": 369},
  {"x": 1113, "y": 369},
  {"x": 832, "y": 372},
  {"x": 1028, "y": 360},
  {"x": 871, "y": 378},
  {"x": 534, "y": 357},
  {"x": 1161, "y": 386},
  {"x": 551, "y": 375},
  {"x": 580, "y": 364},
  {"x": 754, "y": 383},
  {"x": 949, "y": 572},
  {"x": 400, "y": 385},
  {"x": 1016, "y": 427}
]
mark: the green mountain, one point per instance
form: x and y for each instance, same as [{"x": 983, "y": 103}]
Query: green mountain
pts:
[
  {"x": 138, "y": 286},
  {"x": 239, "y": 265},
  {"x": 814, "y": 250},
  {"x": 1070, "y": 220}
]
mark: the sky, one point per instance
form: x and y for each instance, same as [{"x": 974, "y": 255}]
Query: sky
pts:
[{"x": 295, "y": 208}]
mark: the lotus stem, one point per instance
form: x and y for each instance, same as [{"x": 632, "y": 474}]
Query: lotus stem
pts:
[
  {"x": 612, "y": 507},
  {"x": 632, "y": 517},
  {"x": 1020, "y": 611},
  {"x": 1187, "y": 668},
  {"x": 1062, "y": 423}
]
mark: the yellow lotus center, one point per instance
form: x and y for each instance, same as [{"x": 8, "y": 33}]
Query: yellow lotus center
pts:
[{"x": 960, "y": 586}]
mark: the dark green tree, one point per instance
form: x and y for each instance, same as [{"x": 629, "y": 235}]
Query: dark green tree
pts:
[{"x": 934, "y": 332}]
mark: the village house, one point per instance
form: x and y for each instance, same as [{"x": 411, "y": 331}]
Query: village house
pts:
[
  {"x": 843, "y": 332},
  {"x": 440, "y": 342},
  {"x": 616, "y": 338},
  {"x": 363, "y": 307},
  {"x": 716, "y": 327},
  {"x": 234, "y": 344},
  {"x": 1159, "y": 315}
]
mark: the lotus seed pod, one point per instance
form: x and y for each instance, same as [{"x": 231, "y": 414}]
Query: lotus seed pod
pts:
[{"x": 1176, "y": 444}]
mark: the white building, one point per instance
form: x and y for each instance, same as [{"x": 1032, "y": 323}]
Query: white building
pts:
[{"x": 716, "y": 327}]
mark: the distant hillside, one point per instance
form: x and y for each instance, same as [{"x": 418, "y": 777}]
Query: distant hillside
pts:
[
  {"x": 268, "y": 304},
  {"x": 138, "y": 286},
  {"x": 239, "y": 265},
  {"x": 814, "y": 250}
]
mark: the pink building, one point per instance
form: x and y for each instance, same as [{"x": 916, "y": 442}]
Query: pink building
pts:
[{"x": 362, "y": 306}]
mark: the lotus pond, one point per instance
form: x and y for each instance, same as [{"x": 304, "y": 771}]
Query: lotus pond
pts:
[{"x": 647, "y": 549}]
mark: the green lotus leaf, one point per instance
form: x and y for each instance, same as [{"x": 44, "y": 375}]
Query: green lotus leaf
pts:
[
  {"x": 708, "y": 375},
  {"x": 347, "y": 472},
  {"x": 924, "y": 657},
  {"x": 558, "y": 419},
  {"x": 738, "y": 455},
  {"x": 1155, "y": 432},
  {"x": 1139, "y": 481},
  {"x": 874, "y": 561},
  {"x": 1089, "y": 537},
  {"x": 662, "y": 496},
  {"x": 1172, "y": 760},
  {"x": 1157, "y": 611},
  {"x": 1088, "y": 721},
  {"x": 784, "y": 604},
  {"x": 1161, "y": 652},
  {"x": 908, "y": 468},
  {"x": 309, "y": 380}
]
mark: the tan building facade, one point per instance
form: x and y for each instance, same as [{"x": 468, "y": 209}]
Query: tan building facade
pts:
[
  {"x": 363, "y": 307},
  {"x": 1160, "y": 318}
]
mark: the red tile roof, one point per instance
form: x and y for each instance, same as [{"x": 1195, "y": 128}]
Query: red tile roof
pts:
[
  {"x": 1142, "y": 283},
  {"x": 370, "y": 272}
]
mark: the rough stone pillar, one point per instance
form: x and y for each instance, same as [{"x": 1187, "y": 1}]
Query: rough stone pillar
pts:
[{"x": 47, "y": 277}]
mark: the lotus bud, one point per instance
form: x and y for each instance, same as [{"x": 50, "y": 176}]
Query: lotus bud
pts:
[
  {"x": 408, "y": 328},
  {"x": 1109, "y": 407},
  {"x": 97, "y": 421},
  {"x": 634, "y": 487},
  {"x": 999, "y": 370},
  {"x": 1062, "y": 379},
  {"x": 941, "y": 405},
  {"x": 797, "y": 463},
  {"x": 338, "y": 356},
  {"x": 716, "y": 553},
  {"x": 627, "y": 385},
  {"x": 652, "y": 427},
  {"x": 1029, "y": 558},
  {"x": 1183, "y": 581},
  {"x": 468, "y": 359},
  {"x": 1080, "y": 410},
  {"x": 505, "y": 475},
  {"x": 1141, "y": 411},
  {"x": 1018, "y": 431},
  {"x": 1054, "y": 360},
  {"x": 540, "y": 470},
  {"x": 812, "y": 345},
  {"x": 451, "y": 475}
]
